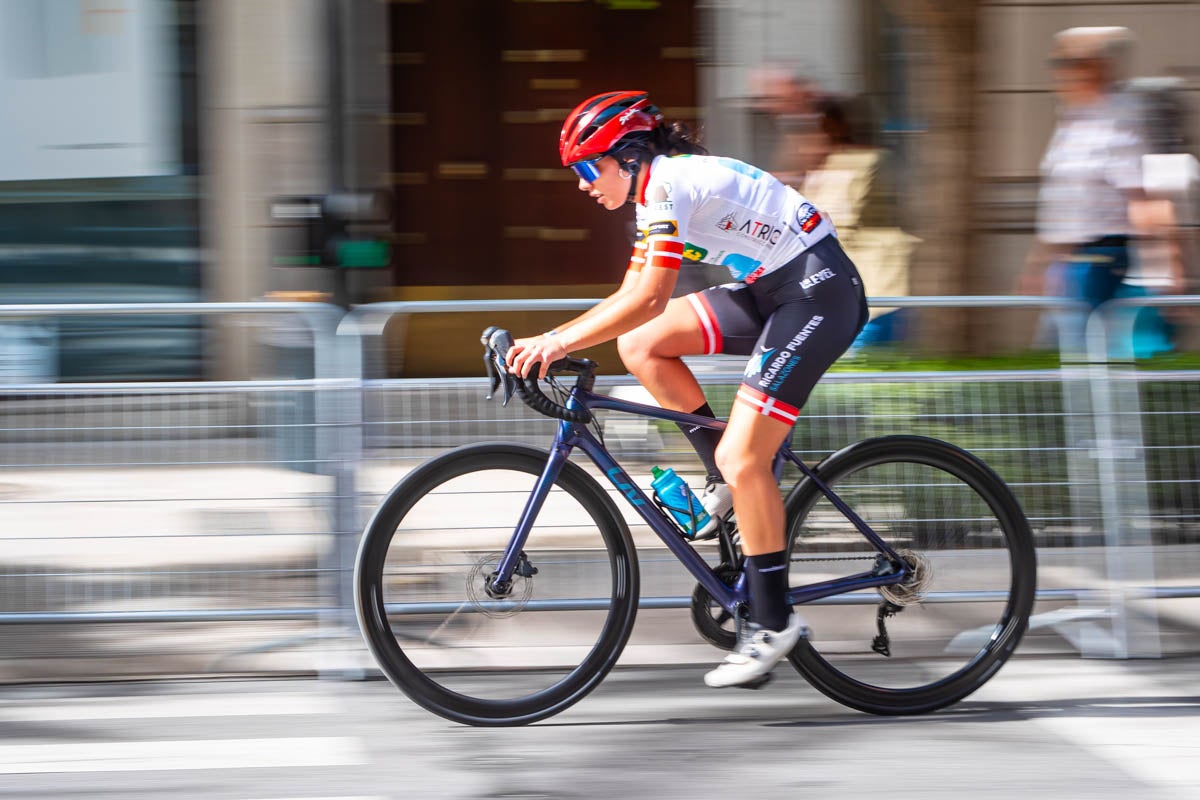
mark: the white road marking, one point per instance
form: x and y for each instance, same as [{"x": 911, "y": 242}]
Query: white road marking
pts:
[
  {"x": 195, "y": 705},
  {"x": 193, "y": 754}
]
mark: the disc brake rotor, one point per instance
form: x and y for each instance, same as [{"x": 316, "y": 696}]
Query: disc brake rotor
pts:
[{"x": 514, "y": 600}]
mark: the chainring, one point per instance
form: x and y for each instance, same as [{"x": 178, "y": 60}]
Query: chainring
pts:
[{"x": 709, "y": 618}]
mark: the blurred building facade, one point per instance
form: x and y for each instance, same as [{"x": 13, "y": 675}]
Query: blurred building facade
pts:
[
  {"x": 1016, "y": 110},
  {"x": 454, "y": 107},
  {"x": 99, "y": 181}
]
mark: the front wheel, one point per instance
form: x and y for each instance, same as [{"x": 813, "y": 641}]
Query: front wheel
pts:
[
  {"x": 935, "y": 638},
  {"x": 464, "y": 647}
]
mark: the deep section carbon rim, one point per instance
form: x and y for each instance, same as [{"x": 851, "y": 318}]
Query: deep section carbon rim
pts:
[
  {"x": 458, "y": 644},
  {"x": 935, "y": 639}
]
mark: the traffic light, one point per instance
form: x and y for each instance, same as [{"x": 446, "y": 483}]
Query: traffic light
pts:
[
  {"x": 340, "y": 230},
  {"x": 338, "y": 243}
]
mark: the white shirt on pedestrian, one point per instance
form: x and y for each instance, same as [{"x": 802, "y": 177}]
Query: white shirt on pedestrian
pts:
[{"x": 1093, "y": 161}]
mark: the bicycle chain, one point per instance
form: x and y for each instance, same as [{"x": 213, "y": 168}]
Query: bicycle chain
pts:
[{"x": 798, "y": 560}]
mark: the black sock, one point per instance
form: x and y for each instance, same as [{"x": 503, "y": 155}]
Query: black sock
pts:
[
  {"x": 704, "y": 442},
  {"x": 767, "y": 575}
]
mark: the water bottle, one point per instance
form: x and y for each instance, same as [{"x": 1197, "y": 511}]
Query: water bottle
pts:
[{"x": 680, "y": 500}]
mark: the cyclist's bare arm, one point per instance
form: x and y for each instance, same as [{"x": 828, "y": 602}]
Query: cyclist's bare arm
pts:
[
  {"x": 627, "y": 284},
  {"x": 641, "y": 298}
]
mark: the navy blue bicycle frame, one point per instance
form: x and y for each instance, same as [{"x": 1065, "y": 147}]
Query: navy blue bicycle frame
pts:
[{"x": 575, "y": 435}]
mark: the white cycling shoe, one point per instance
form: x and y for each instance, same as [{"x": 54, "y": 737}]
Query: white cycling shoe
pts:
[
  {"x": 717, "y": 500},
  {"x": 755, "y": 657}
]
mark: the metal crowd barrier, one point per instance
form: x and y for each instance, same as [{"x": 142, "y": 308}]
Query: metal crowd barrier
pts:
[
  {"x": 190, "y": 508},
  {"x": 1040, "y": 429},
  {"x": 181, "y": 509},
  {"x": 1147, "y": 445}
]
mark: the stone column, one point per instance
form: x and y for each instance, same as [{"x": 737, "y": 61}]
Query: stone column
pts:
[
  {"x": 264, "y": 110},
  {"x": 944, "y": 95}
]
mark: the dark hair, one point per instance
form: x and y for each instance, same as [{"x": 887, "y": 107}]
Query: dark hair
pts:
[
  {"x": 1161, "y": 111},
  {"x": 678, "y": 138},
  {"x": 834, "y": 121},
  {"x": 668, "y": 139},
  {"x": 846, "y": 119}
]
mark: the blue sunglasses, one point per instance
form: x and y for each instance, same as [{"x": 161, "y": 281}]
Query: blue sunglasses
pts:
[{"x": 587, "y": 169}]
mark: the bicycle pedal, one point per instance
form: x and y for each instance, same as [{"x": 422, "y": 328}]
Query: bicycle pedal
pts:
[{"x": 757, "y": 683}]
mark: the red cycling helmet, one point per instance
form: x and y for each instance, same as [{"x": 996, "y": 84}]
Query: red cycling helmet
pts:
[{"x": 597, "y": 125}]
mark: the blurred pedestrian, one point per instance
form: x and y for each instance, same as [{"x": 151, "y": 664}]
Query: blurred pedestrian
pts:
[
  {"x": 1091, "y": 201},
  {"x": 1171, "y": 182},
  {"x": 789, "y": 142},
  {"x": 852, "y": 185}
]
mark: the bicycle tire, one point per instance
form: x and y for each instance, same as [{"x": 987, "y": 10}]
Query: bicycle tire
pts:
[
  {"x": 975, "y": 529},
  {"x": 432, "y": 686}
]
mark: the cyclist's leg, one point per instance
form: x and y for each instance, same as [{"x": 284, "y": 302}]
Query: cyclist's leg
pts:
[
  {"x": 651, "y": 352},
  {"x": 720, "y": 319},
  {"x": 745, "y": 457},
  {"x": 808, "y": 329}
]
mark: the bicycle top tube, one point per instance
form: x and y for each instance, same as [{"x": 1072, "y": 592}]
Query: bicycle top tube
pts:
[{"x": 592, "y": 401}]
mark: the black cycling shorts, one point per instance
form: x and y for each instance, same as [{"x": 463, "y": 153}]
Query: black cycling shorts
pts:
[{"x": 793, "y": 322}]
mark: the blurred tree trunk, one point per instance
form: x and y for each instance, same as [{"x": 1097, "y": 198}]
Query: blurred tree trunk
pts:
[{"x": 945, "y": 40}]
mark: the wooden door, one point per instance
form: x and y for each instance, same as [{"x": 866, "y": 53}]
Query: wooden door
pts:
[{"x": 480, "y": 89}]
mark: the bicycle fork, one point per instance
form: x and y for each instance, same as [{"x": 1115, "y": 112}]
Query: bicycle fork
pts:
[{"x": 514, "y": 561}]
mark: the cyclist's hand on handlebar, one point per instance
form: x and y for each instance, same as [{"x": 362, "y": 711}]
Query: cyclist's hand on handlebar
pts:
[{"x": 536, "y": 350}]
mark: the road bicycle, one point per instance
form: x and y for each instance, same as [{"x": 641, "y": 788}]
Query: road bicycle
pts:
[{"x": 497, "y": 583}]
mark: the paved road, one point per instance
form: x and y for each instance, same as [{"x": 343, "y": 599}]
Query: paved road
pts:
[{"x": 1045, "y": 727}]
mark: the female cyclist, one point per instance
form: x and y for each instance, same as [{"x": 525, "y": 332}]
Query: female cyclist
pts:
[{"x": 795, "y": 306}]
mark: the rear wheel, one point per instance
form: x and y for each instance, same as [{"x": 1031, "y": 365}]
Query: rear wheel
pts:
[
  {"x": 940, "y": 635},
  {"x": 464, "y": 647}
]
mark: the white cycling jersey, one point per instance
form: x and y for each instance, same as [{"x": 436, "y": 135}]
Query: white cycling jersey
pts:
[{"x": 722, "y": 211}]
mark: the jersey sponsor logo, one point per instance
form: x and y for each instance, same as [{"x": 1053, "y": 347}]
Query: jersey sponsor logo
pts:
[
  {"x": 739, "y": 265},
  {"x": 694, "y": 252},
  {"x": 783, "y": 364},
  {"x": 666, "y": 227},
  {"x": 748, "y": 228},
  {"x": 753, "y": 276},
  {"x": 661, "y": 198},
  {"x": 817, "y": 277},
  {"x": 808, "y": 218},
  {"x": 755, "y": 365}
]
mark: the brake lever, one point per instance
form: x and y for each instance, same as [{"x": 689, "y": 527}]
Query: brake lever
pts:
[
  {"x": 497, "y": 376},
  {"x": 492, "y": 373},
  {"x": 508, "y": 386}
]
